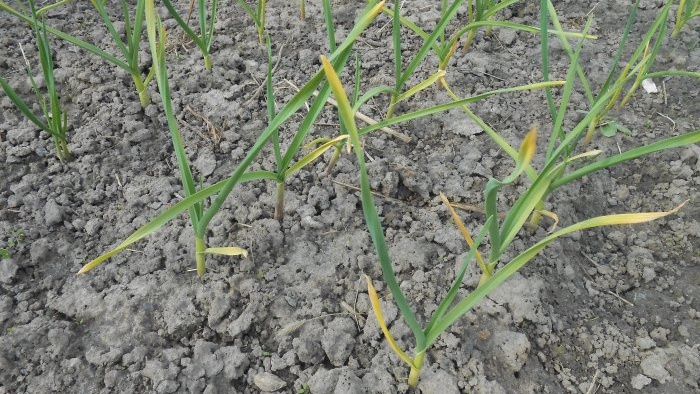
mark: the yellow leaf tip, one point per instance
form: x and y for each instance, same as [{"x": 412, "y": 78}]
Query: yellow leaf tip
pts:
[{"x": 529, "y": 145}]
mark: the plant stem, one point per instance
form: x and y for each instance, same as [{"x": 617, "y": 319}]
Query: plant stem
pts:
[
  {"x": 144, "y": 98},
  {"x": 414, "y": 375},
  {"x": 470, "y": 38},
  {"x": 333, "y": 160},
  {"x": 279, "y": 202},
  {"x": 199, "y": 248},
  {"x": 207, "y": 61},
  {"x": 536, "y": 215},
  {"x": 392, "y": 105},
  {"x": 62, "y": 149}
]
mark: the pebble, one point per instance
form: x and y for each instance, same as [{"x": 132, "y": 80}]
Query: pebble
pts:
[
  {"x": 8, "y": 270},
  {"x": 660, "y": 333},
  {"x": 653, "y": 367},
  {"x": 206, "y": 161},
  {"x": 645, "y": 343},
  {"x": 308, "y": 351},
  {"x": 511, "y": 348},
  {"x": 349, "y": 383},
  {"x": 53, "y": 213},
  {"x": 339, "y": 340},
  {"x": 640, "y": 381},
  {"x": 507, "y": 36},
  {"x": 437, "y": 382},
  {"x": 93, "y": 225},
  {"x": 18, "y": 135},
  {"x": 268, "y": 382},
  {"x": 235, "y": 361}
]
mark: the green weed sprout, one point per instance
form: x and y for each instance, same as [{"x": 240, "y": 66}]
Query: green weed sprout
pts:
[
  {"x": 500, "y": 236},
  {"x": 128, "y": 47},
  {"x": 687, "y": 10},
  {"x": 55, "y": 120},
  {"x": 222, "y": 189},
  {"x": 11, "y": 244},
  {"x": 206, "y": 18}
]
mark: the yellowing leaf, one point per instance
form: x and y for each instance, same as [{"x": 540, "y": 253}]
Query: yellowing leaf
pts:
[
  {"x": 528, "y": 147},
  {"x": 552, "y": 216},
  {"x": 421, "y": 86},
  {"x": 632, "y": 218},
  {"x": 465, "y": 233},
  {"x": 377, "y": 308},
  {"x": 313, "y": 155},
  {"x": 316, "y": 142},
  {"x": 339, "y": 91},
  {"x": 227, "y": 251}
]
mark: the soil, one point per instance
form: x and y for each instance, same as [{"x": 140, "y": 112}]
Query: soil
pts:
[{"x": 611, "y": 310}]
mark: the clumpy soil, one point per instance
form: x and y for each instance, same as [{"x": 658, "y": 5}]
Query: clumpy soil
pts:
[{"x": 611, "y": 310}]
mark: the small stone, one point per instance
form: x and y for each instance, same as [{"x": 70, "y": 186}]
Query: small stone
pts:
[
  {"x": 506, "y": 36},
  {"x": 380, "y": 380},
  {"x": 206, "y": 161},
  {"x": 112, "y": 377},
  {"x": 653, "y": 366},
  {"x": 244, "y": 320},
  {"x": 8, "y": 270},
  {"x": 167, "y": 386},
  {"x": 16, "y": 135},
  {"x": 683, "y": 331},
  {"x": 151, "y": 111},
  {"x": 78, "y": 223},
  {"x": 235, "y": 361},
  {"x": 640, "y": 381},
  {"x": 645, "y": 343},
  {"x": 59, "y": 338},
  {"x": 660, "y": 333},
  {"x": 268, "y": 382},
  {"x": 204, "y": 354},
  {"x": 219, "y": 308},
  {"x": 349, "y": 383},
  {"x": 339, "y": 340},
  {"x": 511, "y": 348},
  {"x": 53, "y": 213},
  {"x": 437, "y": 382},
  {"x": 308, "y": 351},
  {"x": 93, "y": 225},
  {"x": 324, "y": 381},
  {"x": 138, "y": 354},
  {"x": 137, "y": 132}
]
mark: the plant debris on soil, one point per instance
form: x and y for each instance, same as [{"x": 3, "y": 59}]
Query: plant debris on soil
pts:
[{"x": 611, "y": 310}]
